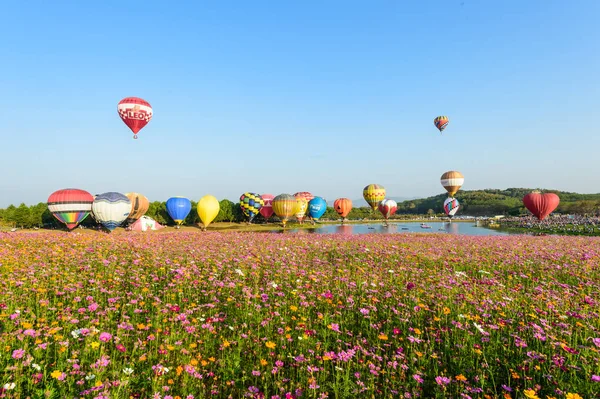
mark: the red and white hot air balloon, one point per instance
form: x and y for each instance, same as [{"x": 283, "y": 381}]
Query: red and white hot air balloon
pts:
[{"x": 135, "y": 112}]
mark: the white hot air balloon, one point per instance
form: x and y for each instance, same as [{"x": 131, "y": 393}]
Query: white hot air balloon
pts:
[
  {"x": 451, "y": 206},
  {"x": 111, "y": 209}
]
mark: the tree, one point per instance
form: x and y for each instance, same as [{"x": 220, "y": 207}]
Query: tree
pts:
[
  {"x": 22, "y": 215},
  {"x": 225, "y": 211},
  {"x": 430, "y": 212}
]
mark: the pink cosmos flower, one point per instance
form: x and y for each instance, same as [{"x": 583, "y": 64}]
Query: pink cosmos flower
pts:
[
  {"x": 18, "y": 353},
  {"x": 105, "y": 337}
]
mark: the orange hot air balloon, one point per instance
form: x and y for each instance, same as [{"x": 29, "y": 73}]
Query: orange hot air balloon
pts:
[
  {"x": 452, "y": 181},
  {"x": 139, "y": 205},
  {"x": 342, "y": 206}
]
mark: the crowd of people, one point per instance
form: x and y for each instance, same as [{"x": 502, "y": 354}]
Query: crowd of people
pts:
[{"x": 556, "y": 224}]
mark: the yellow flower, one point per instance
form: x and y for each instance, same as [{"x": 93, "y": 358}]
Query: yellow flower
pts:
[
  {"x": 56, "y": 374},
  {"x": 293, "y": 308},
  {"x": 383, "y": 337},
  {"x": 417, "y": 331},
  {"x": 530, "y": 393},
  {"x": 263, "y": 362},
  {"x": 204, "y": 363},
  {"x": 226, "y": 344},
  {"x": 179, "y": 370},
  {"x": 193, "y": 362},
  {"x": 98, "y": 383},
  {"x": 573, "y": 396},
  {"x": 95, "y": 344},
  {"x": 170, "y": 347},
  {"x": 326, "y": 358},
  {"x": 212, "y": 359},
  {"x": 460, "y": 377},
  {"x": 270, "y": 345},
  {"x": 446, "y": 310}
]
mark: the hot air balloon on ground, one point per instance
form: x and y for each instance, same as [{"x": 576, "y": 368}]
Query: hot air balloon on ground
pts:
[
  {"x": 267, "y": 209},
  {"x": 374, "y": 194},
  {"x": 284, "y": 206},
  {"x": 304, "y": 194},
  {"x": 316, "y": 208},
  {"x": 301, "y": 208},
  {"x": 441, "y": 122},
  {"x": 70, "y": 206},
  {"x": 111, "y": 209},
  {"x": 342, "y": 206},
  {"x": 541, "y": 205},
  {"x": 251, "y": 204},
  {"x": 387, "y": 207},
  {"x": 178, "y": 208},
  {"x": 208, "y": 209},
  {"x": 139, "y": 205},
  {"x": 451, "y": 206},
  {"x": 135, "y": 113},
  {"x": 452, "y": 181}
]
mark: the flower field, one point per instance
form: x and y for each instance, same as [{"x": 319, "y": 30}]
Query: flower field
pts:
[{"x": 259, "y": 315}]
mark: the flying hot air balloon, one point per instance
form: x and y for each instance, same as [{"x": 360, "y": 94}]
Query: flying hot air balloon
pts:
[
  {"x": 267, "y": 209},
  {"x": 135, "y": 112},
  {"x": 541, "y": 205},
  {"x": 251, "y": 204},
  {"x": 451, "y": 206},
  {"x": 316, "y": 208},
  {"x": 178, "y": 208},
  {"x": 374, "y": 194},
  {"x": 452, "y": 181},
  {"x": 441, "y": 122},
  {"x": 208, "y": 208},
  {"x": 342, "y": 206},
  {"x": 139, "y": 205},
  {"x": 111, "y": 209},
  {"x": 387, "y": 207},
  {"x": 284, "y": 206},
  {"x": 70, "y": 206},
  {"x": 301, "y": 208}
]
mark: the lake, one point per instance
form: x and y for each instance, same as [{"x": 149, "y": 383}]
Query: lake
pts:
[{"x": 466, "y": 228}]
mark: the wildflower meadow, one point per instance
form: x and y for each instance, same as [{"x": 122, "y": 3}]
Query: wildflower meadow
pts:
[{"x": 260, "y": 315}]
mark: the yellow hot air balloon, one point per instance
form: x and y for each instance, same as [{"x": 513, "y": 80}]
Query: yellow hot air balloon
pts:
[
  {"x": 374, "y": 194},
  {"x": 284, "y": 206},
  {"x": 301, "y": 208},
  {"x": 452, "y": 181},
  {"x": 139, "y": 205},
  {"x": 208, "y": 209}
]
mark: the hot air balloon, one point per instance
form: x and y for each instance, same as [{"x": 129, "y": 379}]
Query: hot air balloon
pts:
[
  {"x": 135, "y": 112},
  {"x": 284, "y": 206},
  {"x": 541, "y": 205},
  {"x": 387, "y": 207},
  {"x": 251, "y": 204},
  {"x": 316, "y": 208},
  {"x": 452, "y": 181},
  {"x": 342, "y": 206},
  {"x": 301, "y": 208},
  {"x": 139, "y": 205},
  {"x": 451, "y": 206},
  {"x": 374, "y": 194},
  {"x": 304, "y": 194},
  {"x": 441, "y": 122},
  {"x": 267, "y": 209},
  {"x": 208, "y": 209},
  {"x": 178, "y": 208},
  {"x": 70, "y": 206},
  {"x": 111, "y": 209}
]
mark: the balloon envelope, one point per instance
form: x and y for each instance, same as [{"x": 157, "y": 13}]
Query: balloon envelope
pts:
[
  {"x": 178, "y": 208},
  {"x": 208, "y": 209},
  {"x": 111, "y": 209},
  {"x": 441, "y": 122},
  {"x": 251, "y": 204},
  {"x": 451, "y": 206},
  {"x": 135, "y": 113},
  {"x": 267, "y": 209},
  {"x": 317, "y": 207},
  {"x": 304, "y": 194},
  {"x": 541, "y": 205},
  {"x": 342, "y": 206},
  {"x": 301, "y": 208},
  {"x": 139, "y": 205},
  {"x": 70, "y": 206},
  {"x": 374, "y": 194},
  {"x": 452, "y": 181},
  {"x": 284, "y": 206},
  {"x": 387, "y": 207}
]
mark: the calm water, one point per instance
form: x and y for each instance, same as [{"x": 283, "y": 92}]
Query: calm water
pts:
[{"x": 466, "y": 228}]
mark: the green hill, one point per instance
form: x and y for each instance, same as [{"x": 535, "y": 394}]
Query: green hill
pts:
[{"x": 500, "y": 202}]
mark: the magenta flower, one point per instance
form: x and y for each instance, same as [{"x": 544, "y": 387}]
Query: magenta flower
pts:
[
  {"x": 596, "y": 341},
  {"x": 418, "y": 378},
  {"x": 440, "y": 380},
  {"x": 105, "y": 337},
  {"x": 18, "y": 353},
  {"x": 596, "y": 378}
]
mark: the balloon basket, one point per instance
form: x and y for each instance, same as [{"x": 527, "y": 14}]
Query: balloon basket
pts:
[{"x": 135, "y": 136}]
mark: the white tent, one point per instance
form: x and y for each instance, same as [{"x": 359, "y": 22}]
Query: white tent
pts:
[{"x": 145, "y": 223}]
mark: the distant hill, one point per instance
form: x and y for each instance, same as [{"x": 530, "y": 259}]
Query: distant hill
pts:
[{"x": 500, "y": 202}]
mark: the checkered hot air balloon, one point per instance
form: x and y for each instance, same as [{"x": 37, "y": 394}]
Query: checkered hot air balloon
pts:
[
  {"x": 441, "y": 122},
  {"x": 251, "y": 204},
  {"x": 70, "y": 206},
  {"x": 135, "y": 113}
]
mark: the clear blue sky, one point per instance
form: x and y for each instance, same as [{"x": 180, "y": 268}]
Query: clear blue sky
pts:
[{"x": 279, "y": 97}]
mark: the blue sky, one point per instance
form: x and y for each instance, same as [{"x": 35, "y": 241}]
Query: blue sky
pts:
[{"x": 281, "y": 97}]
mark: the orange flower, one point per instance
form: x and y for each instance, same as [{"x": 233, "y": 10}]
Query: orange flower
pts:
[
  {"x": 460, "y": 377},
  {"x": 270, "y": 345}
]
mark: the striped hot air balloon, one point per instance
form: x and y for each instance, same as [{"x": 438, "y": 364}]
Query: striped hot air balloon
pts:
[
  {"x": 284, "y": 206},
  {"x": 342, "y": 206},
  {"x": 111, "y": 209},
  {"x": 441, "y": 122},
  {"x": 251, "y": 204},
  {"x": 139, "y": 205},
  {"x": 452, "y": 181},
  {"x": 70, "y": 206},
  {"x": 374, "y": 194},
  {"x": 451, "y": 206}
]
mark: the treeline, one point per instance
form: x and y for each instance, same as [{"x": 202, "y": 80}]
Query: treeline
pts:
[
  {"x": 39, "y": 216},
  {"x": 501, "y": 202}
]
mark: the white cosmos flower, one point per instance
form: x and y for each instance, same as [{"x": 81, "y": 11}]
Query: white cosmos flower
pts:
[
  {"x": 9, "y": 386},
  {"x": 128, "y": 370}
]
